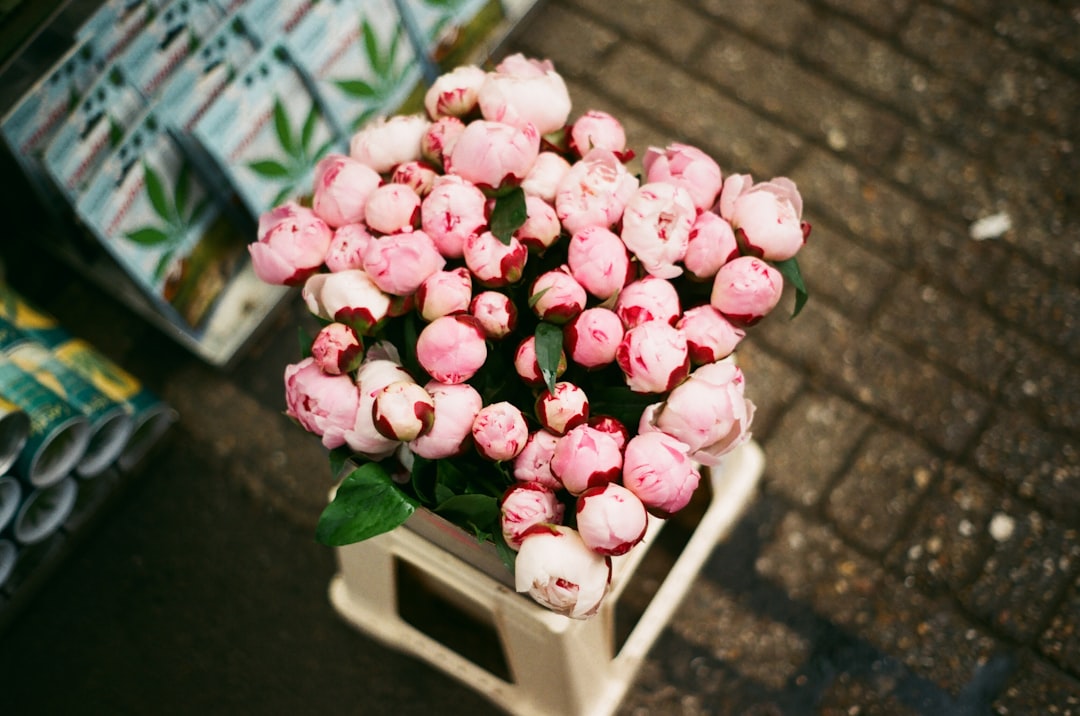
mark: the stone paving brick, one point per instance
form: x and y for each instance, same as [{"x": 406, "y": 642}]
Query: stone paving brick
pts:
[
  {"x": 885, "y": 16},
  {"x": 1032, "y": 562},
  {"x": 783, "y": 23},
  {"x": 559, "y": 31},
  {"x": 852, "y": 696},
  {"x": 815, "y": 438},
  {"x": 957, "y": 182},
  {"x": 1061, "y": 640},
  {"x": 1042, "y": 26},
  {"x": 1043, "y": 382},
  {"x": 1030, "y": 298},
  {"x": 770, "y": 384},
  {"x": 871, "y": 502},
  {"x": 1037, "y": 688},
  {"x": 673, "y": 28},
  {"x": 944, "y": 549}
]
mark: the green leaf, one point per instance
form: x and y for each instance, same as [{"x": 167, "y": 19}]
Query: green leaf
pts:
[
  {"x": 549, "y": 342},
  {"x": 163, "y": 265},
  {"x": 339, "y": 459},
  {"x": 367, "y": 503},
  {"x": 789, "y": 269},
  {"x": 269, "y": 168},
  {"x": 283, "y": 129},
  {"x": 535, "y": 298},
  {"x": 371, "y": 44},
  {"x": 183, "y": 185},
  {"x": 308, "y": 131},
  {"x": 621, "y": 403},
  {"x": 155, "y": 190},
  {"x": 509, "y": 214},
  {"x": 506, "y": 554},
  {"x": 357, "y": 88},
  {"x": 478, "y": 512},
  {"x": 148, "y": 236}
]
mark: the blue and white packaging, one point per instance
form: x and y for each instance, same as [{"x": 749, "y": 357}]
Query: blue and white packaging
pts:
[
  {"x": 272, "y": 20},
  {"x": 114, "y": 25}
]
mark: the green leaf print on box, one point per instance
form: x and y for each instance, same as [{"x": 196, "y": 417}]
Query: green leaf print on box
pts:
[
  {"x": 389, "y": 72},
  {"x": 292, "y": 166},
  {"x": 176, "y": 216}
]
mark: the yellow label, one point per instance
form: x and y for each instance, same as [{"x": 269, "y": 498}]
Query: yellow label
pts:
[
  {"x": 105, "y": 375},
  {"x": 15, "y": 309}
]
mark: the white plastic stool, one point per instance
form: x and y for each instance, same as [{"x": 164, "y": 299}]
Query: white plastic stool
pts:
[{"x": 557, "y": 665}]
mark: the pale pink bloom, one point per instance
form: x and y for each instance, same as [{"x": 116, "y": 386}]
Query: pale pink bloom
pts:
[
  {"x": 533, "y": 463},
  {"x": 711, "y": 245},
  {"x": 541, "y": 228},
  {"x": 526, "y": 365},
  {"x": 598, "y": 130},
  {"x": 496, "y": 313},
  {"x": 350, "y": 297},
  {"x": 598, "y": 260},
  {"x": 453, "y": 211},
  {"x": 500, "y": 431},
  {"x": 323, "y": 404},
  {"x": 708, "y": 412},
  {"x": 439, "y": 139},
  {"x": 560, "y": 572},
  {"x": 525, "y": 91},
  {"x": 403, "y": 411},
  {"x": 611, "y": 519},
  {"x": 456, "y": 406},
  {"x": 452, "y": 348},
  {"x": 364, "y": 438},
  {"x": 687, "y": 167},
  {"x": 292, "y": 245},
  {"x": 347, "y": 247},
  {"x": 392, "y": 209},
  {"x": 383, "y": 350},
  {"x": 443, "y": 293},
  {"x": 564, "y": 409},
  {"x": 556, "y": 297},
  {"x": 654, "y": 357},
  {"x": 746, "y": 289},
  {"x": 493, "y": 155},
  {"x": 586, "y": 457},
  {"x": 648, "y": 299},
  {"x": 492, "y": 262},
  {"x": 545, "y": 175},
  {"x": 768, "y": 215},
  {"x": 454, "y": 93},
  {"x": 656, "y": 227},
  {"x": 418, "y": 176},
  {"x": 342, "y": 185},
  {"x": 399, "y": 263},
  {"x": 734, "y": 186},
  {"x": 384, "y": 143},
  {"x": 658, "y": 470},
  {"x": 594, "y": 192},
  {"x": 709, "y": 336},
  {"x": 611, "y": 426},
  {"x": 592, "y": 338},
  {"x": 524, "y": 505},
  {"x": 337, "y": 349}
]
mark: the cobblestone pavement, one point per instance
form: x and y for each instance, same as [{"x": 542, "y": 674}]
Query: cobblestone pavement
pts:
[{"x": 915, "y": 546}]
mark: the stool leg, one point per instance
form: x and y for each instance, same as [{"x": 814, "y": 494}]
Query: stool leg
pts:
[{"x": 368, "y": 571}]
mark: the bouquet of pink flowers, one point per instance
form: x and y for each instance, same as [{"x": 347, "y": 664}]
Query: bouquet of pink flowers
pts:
[{"x": 519, "y": 334}]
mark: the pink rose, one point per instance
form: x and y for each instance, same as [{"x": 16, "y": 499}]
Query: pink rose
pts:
[
  {"x": 418, "y": 176},
  {"x": 559, "y": 571},
  {"x": 541, "y": 228},
  {"x": 709, "y": 336},
  {"x": 544, "y": 176},
  {"x": 611, "y": 519},
  {"x": 443, "y": 293},
  {"x": 323, "y": 404},
  {"x": 452, "y": 348},
  {"x": 648, "y": 299},
  {"x": 526, "y": 365},
  {"x": 598, "y": 260},
  {"x": 524, "y": 91},
  {"x": 373, "y": 375},
  {"x": 500, "y": 431},
  {"x": 456, "y": 406},
  {"x": 768, "y": 216},
  {"x": 493, "y": 155},
  {"x": 599, "y": 130},
  {"x": 746, "y": 289},
  {"x": 710, "y": 246},
  {"x": 687, "y": 167},
  {"x": 342, "y": 186},
  {"x": 451, "y": 213},
  {"x": 292, "y": 244},
  {"x": 657, "y": 469},
  {"x": 399, "y": 263},
  {"x": 524, "y": 505},
  {"x": 586, "y": 457},
  {"x": 337, "y": 349},
  {"x": 384, "y": 143},
  {"x": 533, "y": 463},
  {"x": 656, "y": 227},
  {"x": 403, "y": 411},
  {"x": 496, "y": 313},
  {"x": 350, "y": 297},
  {"x": 556, "y": 297},
  {"x": 593, "y": 337},
  {"x": 439, "y": 139},
  {"x": 347, "y": 247},
  {"x": 654, "y": 357},
  {"x": 562, "y": 410},
  {"x": 392, "y": 208},
  {"x": 492, "y": 262},
  {"x": 594, "y": 192},
  {"x": 454, "y": 93}
]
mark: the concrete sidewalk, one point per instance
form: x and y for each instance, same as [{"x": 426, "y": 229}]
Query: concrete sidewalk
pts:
[{"x": 915, "y": 548}]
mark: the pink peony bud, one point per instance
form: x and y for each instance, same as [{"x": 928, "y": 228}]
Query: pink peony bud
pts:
[
  {"x": 556, "y": 297},
  {"x": 524, "y": 505},
  {"x": 342, "y": 186},
  {"x": 598, "y": 260},
  {"x": 746, "y": 289},
  {"x": 541, "y": 228},
  {"x": 337, "y": 349},
  {"x": 384, "y": 143},
  {"x": 594, "y": 192},
  {"x": 403, "y": 411},
  {"x": 611, "y": 519},
  {"x": 347, "y": 247},
  {"x": 648, "y": 299},
  {"x": 439, "y": 139},
  {"x": 364, "y": 438},
  {"x": 533, "y": 463},
  {"x": 558, "y": 570},
  {"x": 711, "y": 245},
  {"x": 323, "y": 404},
  {"x": 599, "y": 130},
  {"x": 492, "y": 262},
  {"x": 734, "y": 186},
  {"x": 586, "y": 457},
  {"x": 654, "y": 357},
  {"x": 656, "y": 227},
  {"x": 496, "y": 313},
  {"x": 350, "y": 297},
  {"x": 455, "y": 92},
  {"x": 399, "y": 263},
  {"x": 687, "y": 167},
  {"x": 523, "y": 91},
  {"x": 292, "y": 245},
  {"x": 563, "y": 409},
  {"x": 456, "y": 406},
  {"x": 500, "y": 431},
  {"x": 452, "y": 348},
  {"x": 657, "y": 469},
  {"x": 768, "y": 216},
  {"x": 443, "y": 293},
  {"x": 709, "y": 336},
  {"x": 593, "y": 337},
  {"x": 418, "y": 176},
  {"x": 526, "y": 365},
  {"x": 451, "y": 213},
  {"x": 545, "y": 175},
  {"x": 392, "y": 209},
  {"x": 611, "y": 426},
  {"x": 493, "y": 155}
]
